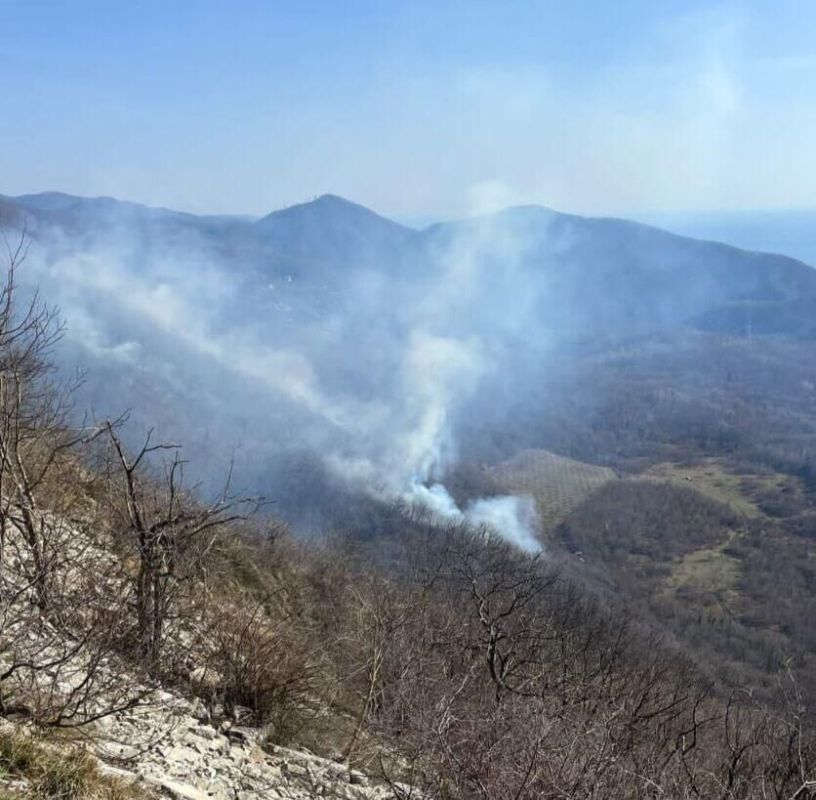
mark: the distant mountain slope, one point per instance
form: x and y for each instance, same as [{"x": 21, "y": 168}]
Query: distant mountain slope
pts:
[
  {"x": 792, "y": 233},
  {"x": 599, "y": 274},
  {"x": 556, "y": 483},
  {"x": 609, "y": 275},
  {"x": 328, "y": 328},
  {"x": 344, "y": 224},
  {"x": 313, "y": 240}
]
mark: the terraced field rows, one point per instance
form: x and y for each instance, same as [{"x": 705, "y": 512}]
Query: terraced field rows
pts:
[{"x": 556, "y": 483}]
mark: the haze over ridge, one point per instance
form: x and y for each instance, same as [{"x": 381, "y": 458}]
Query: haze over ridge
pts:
[{"x": 325, "y": 328}]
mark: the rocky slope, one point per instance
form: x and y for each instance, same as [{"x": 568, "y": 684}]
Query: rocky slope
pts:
[
  {"x": 170, "y": 746},
  {"x": 158, "y": 742}
]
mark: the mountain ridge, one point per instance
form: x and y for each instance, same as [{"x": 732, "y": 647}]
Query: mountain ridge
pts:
[
  {"x": 316, "y": 314},
  {"x": 331, "y": 204}
]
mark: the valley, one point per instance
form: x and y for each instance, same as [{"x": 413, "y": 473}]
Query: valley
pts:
[{"x": 665, "y": 440}]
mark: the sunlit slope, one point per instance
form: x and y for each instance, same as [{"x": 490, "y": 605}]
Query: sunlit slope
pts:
[
  {"x": 751, "y": 494},
  {"x": 558, "y": 484}
]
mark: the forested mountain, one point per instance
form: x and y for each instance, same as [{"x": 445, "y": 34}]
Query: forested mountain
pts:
[
  {"x": 634, "y": 409},
  {"x": 301, "y": 330}
]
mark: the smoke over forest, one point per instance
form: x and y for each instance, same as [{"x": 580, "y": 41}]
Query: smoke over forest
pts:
[{"x": 327, "y": 336}]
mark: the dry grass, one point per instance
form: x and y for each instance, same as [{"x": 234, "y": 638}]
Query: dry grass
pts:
[
  {"x": 56, "y": 770},
  {"x": 742, "y": 492},
  {"x": 556, "y": 483},
  {"x": 712, "y": 575},
  {"x": 709, "y": 477}
]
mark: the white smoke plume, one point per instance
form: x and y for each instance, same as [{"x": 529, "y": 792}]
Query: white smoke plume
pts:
[
  {"x": 514, "y": 518},
  {"x": 437, "y": 373},
  {"x": 373, "y": 383},
  {"x": 444, "y": 370}
]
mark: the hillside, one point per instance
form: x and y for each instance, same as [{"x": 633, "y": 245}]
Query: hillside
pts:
[
  {"x": 336, "y": 361},
  {"x": 779, "y": 231},
  {"x": 331, "y": 232},
  {"x": 557, "y": 484},
  {"x": 160, "y": 638},
  {"x": 292, "y": 329}
]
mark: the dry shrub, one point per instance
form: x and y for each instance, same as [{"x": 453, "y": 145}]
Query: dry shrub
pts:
[
  {"x": 56, "y": 773},
  {"x": 262, "y": 665}
]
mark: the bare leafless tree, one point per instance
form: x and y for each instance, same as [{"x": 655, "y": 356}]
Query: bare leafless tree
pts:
[
  {"x": 58, "y": 620},
  {"x": 165, "y": 527},
  {"x": 37, "y": 438}
]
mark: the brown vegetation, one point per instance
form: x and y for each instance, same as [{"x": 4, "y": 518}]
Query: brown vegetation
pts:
[{"x": 446, "y": 663}]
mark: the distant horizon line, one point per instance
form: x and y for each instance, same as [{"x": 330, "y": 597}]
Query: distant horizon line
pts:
[{"x": 420, "y": 219}]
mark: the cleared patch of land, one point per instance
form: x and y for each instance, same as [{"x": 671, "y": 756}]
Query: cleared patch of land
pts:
[
  {"x": 708, "y": 576},
  {"x": 556, "y": 483},
  {"x": 744, "y": 493}
]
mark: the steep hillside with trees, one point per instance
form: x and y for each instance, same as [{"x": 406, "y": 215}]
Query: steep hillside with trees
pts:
[{"x": 429, "y": 660}]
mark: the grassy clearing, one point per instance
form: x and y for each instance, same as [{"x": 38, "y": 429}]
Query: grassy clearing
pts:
[
  {"x": 56, "y": 771},
  {"x": 711, "y": 478},
  {"x": 557, "y": 484},
  {"x": 710, "y": 575},
  {"x": 743, "y": 493}
]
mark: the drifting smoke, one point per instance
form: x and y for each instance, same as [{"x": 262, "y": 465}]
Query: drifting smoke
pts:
[
  {"x": 514, "y": 518},
  {"x": 445, "y": 370},
  {"x": 368, "y": 365},
  {"x": 438, "y": 373}
]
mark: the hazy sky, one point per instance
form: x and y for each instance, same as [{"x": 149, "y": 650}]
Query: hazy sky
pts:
[{"x": 420, "y": 107}]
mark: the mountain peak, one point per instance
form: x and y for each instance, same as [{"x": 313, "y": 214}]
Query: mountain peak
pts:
[
  {"x": 335, "y": 199},
  {"x": 331, "y": 215},
  {"x": 330, "y": 207}
]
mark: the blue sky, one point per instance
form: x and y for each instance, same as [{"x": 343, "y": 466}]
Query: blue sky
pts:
[{"x": 413, "y": 108}]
